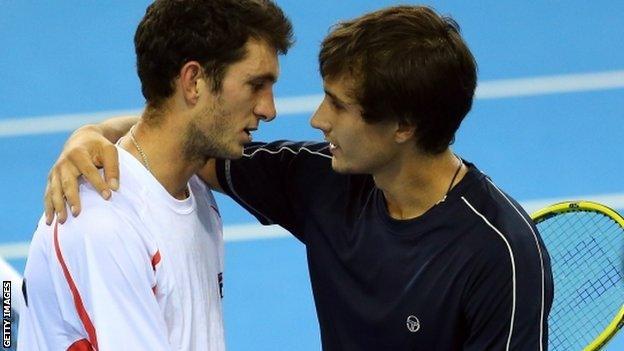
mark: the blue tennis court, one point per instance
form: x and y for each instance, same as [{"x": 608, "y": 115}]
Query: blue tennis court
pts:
[{"x": 548, "y": 123}]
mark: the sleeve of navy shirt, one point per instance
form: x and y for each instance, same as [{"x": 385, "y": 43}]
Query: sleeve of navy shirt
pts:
[
  {"x": 273, "y": 181},
  {"x": 487, "y": 301},
  {"x": 503, "y": 313}
]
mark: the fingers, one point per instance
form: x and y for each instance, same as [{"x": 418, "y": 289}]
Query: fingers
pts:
[
  {"x": 85, "y": 150},
  {"x": 85, "y": 165},
  {"x": 54, "y": 197},
  {"x": 63, "y": 188},
  {"x": 69, "y": 187},
  {"x": 110, "y": 161},
  {"x": 48, "y": 206}
]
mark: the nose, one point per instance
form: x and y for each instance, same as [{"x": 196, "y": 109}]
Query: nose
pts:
[
  {"x": 319, "y": 120},
  {"x": 265, "y": 108}
]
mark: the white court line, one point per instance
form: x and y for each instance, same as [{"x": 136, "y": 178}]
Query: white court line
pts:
[
  {"x": 64, "y": 123},
  {"x": 493, "y": 89},
  {"x": 252, "y": 231},
  {"x": 556, "y": 84}
]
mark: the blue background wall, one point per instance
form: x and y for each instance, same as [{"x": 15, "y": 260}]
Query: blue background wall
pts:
[{"x": 76, "y": 58}]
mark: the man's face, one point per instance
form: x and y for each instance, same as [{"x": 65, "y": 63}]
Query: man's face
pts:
[
  {"x": 224, "y": 120},
  {"x": 356, "y": 146}
]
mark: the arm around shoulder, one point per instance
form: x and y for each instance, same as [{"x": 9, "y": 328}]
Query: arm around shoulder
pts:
[
  {"x": 114, "y": 128},
  {"x": 87, "y": 149}
]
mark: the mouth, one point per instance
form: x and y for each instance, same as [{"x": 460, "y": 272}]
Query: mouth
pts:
[
  {"x": 248, "y": 131},
  {"x": 333, "y": 147}
]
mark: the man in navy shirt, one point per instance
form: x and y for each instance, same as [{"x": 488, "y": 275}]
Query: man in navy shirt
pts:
[{"x": 409, "y": 246}]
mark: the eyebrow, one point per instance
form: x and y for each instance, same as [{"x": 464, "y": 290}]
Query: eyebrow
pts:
[
  {"x": 270, "y": 77},
  {"x": 334, "y": 97}
]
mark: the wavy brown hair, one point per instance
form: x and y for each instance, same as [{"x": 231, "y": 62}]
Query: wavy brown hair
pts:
[
  {"x": 212, "y": 32},
  {"x": 409, "y": 64}
]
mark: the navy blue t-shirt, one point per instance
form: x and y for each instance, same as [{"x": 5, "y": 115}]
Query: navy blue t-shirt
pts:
[{"x": 471, "y": 273}]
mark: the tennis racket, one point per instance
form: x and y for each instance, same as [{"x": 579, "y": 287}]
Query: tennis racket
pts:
[{"x": 585, "y": 241}]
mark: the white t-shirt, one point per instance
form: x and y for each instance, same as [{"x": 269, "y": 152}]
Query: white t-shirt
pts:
[{"x": 142, "y": 271}]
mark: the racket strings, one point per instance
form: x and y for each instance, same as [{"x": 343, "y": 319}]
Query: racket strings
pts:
[{"x": 585, "y": 255}]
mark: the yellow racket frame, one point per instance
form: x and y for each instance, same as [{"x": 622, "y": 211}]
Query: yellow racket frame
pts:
[{"x": 578, "y": 206}]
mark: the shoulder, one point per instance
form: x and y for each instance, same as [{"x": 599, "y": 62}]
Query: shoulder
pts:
[
  {"x": 280, "y": 165},
  {"x": 128, "y": 201},
  {"x": 308, "y": 149},
  {"x": 99, "y": 228},
  {"x": 499, "y": 222},
  {"x": 103, "y": 227},
  {"x": 98, "y": 219},
  {"x": 506, "y": 234},
  {"x": 490, "y": 207},
  {"x": 103, "y": 242}
]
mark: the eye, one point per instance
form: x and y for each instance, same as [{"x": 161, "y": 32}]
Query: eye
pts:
[
  {"x": 256, "y": 86},
  {"x": 335, "y": 105}
]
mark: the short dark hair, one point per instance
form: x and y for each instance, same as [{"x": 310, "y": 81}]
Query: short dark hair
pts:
[
  {"x": 408, "y": 64},
  {"x": 212, "y": 32}
]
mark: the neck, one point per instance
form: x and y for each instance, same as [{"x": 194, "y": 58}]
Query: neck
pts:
[
  {"x": 413, "y": 184},
  {"x": 160, "y": 150}
]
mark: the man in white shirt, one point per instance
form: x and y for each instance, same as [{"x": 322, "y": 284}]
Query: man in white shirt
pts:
[{"x": 144, "y": 271}]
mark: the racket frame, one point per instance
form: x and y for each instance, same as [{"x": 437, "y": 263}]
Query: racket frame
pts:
[{"x": 587, "y": 206}]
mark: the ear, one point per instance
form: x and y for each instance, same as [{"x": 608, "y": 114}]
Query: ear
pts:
[
  {"x": 191, "y": 77},
  {"x": 404, "y": 132}
]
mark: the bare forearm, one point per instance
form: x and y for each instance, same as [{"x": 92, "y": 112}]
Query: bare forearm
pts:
[{"x": 113, "y": 128}]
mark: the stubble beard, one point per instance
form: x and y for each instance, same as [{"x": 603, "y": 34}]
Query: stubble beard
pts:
[{"x": 199, "y": 146}]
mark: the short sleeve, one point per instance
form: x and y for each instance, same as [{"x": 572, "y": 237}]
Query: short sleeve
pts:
[
  {"x": 489, "y": 302},
  {"x": 501, "y": 305}
]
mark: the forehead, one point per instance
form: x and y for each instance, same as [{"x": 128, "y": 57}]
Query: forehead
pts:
[
  {"x": 260, "y": 59},
  {"x": 342, "y": 87}
]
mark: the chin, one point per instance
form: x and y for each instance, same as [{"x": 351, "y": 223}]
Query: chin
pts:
[
  {"x": 235, "y": 152},
  {"x": 349, "y": 168},
  {"x": 225, "y": 152},
  {"x": 339, "y": 167}
]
